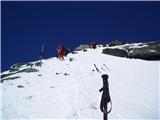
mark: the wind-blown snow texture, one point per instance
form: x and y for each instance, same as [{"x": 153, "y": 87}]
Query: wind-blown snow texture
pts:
[{"x": 70, "y": 89}]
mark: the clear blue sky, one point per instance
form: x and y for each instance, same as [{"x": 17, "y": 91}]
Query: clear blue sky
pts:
[{"x": 26, "y": 26}]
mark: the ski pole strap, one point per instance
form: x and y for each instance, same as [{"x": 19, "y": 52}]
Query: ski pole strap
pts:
[{"x": 110, "y": 108}]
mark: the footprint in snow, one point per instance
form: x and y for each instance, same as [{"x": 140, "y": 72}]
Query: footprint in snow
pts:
[
  {"x": 93, "y": 106},
  {"x": 29, "y": 97},
  {"x": 74, "y": 114},
  {"x": 20, "y": 86}
]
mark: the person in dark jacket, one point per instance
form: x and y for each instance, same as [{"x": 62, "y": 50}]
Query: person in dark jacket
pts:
[
  {"x": 93, "y": 44},
  {"x": 105, "y": 95}
]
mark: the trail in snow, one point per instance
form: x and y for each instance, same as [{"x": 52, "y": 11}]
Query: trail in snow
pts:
[{"x": 70, "y": 89}]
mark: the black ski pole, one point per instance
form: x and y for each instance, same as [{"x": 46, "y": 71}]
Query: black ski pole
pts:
[
  {"x": 105, "y": 114},
  {"x": 97, "y": 68},
  {"x": 107, "y": 67}
]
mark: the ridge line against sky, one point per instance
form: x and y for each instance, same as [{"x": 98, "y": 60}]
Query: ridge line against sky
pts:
[{"x": 27, "y": 25}]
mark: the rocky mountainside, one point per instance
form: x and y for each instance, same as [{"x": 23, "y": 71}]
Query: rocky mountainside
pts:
[
  {"x": 145, "y": 51},
  {"x": 20, "y": 68},
  {"x": 69, "y": 89}
]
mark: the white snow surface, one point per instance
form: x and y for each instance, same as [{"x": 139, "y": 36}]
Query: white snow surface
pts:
[{"x": 133, "y": 84}]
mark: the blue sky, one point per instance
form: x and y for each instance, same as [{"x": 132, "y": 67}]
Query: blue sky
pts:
[{"x": 26, "y": 26}]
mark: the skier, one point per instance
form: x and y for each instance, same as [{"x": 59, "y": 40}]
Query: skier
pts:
[
  {"x": 93, "y": 44},
  {"x": 105, "y": 96}
]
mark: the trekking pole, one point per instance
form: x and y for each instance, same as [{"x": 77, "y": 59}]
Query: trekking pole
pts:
[
  {"x": 105, "y": 116},
  {"x": 42, "y": 53},
  {"x": 97, "y": 69},
  {"x": 107, "y": 67}
]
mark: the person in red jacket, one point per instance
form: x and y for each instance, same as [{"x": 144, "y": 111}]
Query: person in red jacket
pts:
[{"x": 61, "y": 52}]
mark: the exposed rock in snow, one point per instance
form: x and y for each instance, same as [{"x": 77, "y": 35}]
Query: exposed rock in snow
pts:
[
  {"x": 146, "y": 51},
  {"x": 82, "y": 47}
]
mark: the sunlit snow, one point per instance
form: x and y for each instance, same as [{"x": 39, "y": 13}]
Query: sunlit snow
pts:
[{"x": 70, "y": 89}]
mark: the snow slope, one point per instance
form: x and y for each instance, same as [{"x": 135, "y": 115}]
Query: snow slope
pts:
[{"x": 70, "y": 89}]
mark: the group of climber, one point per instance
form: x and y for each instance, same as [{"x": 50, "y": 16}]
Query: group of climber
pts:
[{"x": 63, "y": 51}]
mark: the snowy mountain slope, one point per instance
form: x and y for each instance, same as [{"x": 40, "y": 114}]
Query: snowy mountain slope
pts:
[{"x": 70, "y": 89}]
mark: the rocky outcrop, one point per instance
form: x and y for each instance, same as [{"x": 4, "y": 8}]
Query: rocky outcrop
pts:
[
  {"x": 146, "y": 51},
  {"x": 9, "y": 78},
  {"x": 82, "y": 47},
  {"x": 15, "y": 67},
  {"x": 19, "y": 68},
  {"x": 116, "y": 52},
  {"x": 28, "y": 70}
]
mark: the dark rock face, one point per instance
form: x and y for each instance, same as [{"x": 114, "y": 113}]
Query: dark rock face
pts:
[
  {"x": 10, "y": 78},
  {"x": 71, "y": 59},
  {"x": 145, "y": 54},
  {"x": 84, "y": 50},
  {"x": 15, "y": 67},
  {"x": 6, "y": 75},
  {"x": 38, "y": 64},
  {"x": 116, "y": 52},
  {"x": 20, "y": 86},
  {"x": 146, "y": 51},
  {"x": 66, "y": 74},
  {"x": 28, "y": 70},
  {"x": 18, "y": 68}
]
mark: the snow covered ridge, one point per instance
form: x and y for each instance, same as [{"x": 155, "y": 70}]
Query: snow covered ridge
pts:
[{"x": 69, "y": 89}]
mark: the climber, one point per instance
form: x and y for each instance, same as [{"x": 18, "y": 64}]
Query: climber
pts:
[
  {"x": 93, "y": 44},
  {"x": 61, "y": 52}
]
